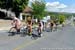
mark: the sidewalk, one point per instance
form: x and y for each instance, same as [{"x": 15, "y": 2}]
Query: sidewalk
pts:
[
  {"x": 4, "y": 28},
  {"x": 5, "y": 24}
]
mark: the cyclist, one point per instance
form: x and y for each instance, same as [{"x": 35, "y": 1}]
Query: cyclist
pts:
[
  {"x": 16, "y": 23},
  {"x": 29, "y": 25},
  {"x": 51, "y": 25},
  {"x": 40, "y": 28}
]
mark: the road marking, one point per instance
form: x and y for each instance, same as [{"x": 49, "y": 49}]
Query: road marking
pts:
[
  {"x": 9, "y": 39},
  {"x": 23, "y": 45}
]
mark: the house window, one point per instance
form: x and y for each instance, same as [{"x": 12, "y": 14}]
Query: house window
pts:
[{"x": 23, "y": 17}]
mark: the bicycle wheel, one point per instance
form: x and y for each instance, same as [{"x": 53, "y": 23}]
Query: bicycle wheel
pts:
[{"x": 12, "y": 31}]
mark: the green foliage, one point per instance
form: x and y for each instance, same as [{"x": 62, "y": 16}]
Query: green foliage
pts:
[
  {"x": 16, "y": 5},
  {"x": 61, "y": 19},
  {"x": 38, "y": 8},
  {"x": 19, "y": 5},
  {"x": 54, "y": 17},
  {"x": 6, "y": 4},
  {"x": 2, "y": 4}
]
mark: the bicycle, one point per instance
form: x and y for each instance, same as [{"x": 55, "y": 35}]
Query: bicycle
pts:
[
  {"x": 34, "y": 33},
  {"x": 25, "y": 31},
  {"x": 12, "y": 31}
]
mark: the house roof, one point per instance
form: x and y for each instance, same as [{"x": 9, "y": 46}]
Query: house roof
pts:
[{"x": 28, "y": 10}]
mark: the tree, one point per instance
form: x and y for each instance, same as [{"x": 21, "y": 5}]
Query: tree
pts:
[
  {"x": 61, "y": 19},
  {"x": 38, "y": 8},
  {"x": 2, "y": 3},
  {"x": 5, "y": 4},
  {"x": 19, "y": 6}
]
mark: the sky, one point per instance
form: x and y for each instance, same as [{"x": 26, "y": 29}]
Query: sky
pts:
[
  {"x": 67, "y": 2},
  {"x": 60, "y": 5}
]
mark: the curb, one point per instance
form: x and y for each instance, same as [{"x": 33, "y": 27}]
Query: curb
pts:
[{"x": 4, "y": 28}]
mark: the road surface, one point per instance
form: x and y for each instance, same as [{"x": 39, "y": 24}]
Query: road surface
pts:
[{"x": 63, "y": 38}]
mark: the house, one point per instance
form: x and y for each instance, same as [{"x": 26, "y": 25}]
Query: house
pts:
[{"x": 27, "y": 12}]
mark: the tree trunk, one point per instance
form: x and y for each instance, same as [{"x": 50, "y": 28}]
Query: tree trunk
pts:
[{"x": 17, "y": 14}]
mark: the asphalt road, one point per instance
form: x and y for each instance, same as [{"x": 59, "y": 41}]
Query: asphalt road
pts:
[{"x": 62, "y": 39}]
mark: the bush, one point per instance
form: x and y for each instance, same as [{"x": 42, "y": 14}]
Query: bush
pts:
[{"x": 61, "y": 19}]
